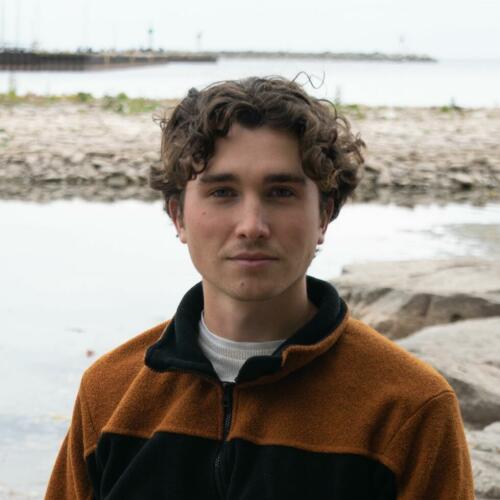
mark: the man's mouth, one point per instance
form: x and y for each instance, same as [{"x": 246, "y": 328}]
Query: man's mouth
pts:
[
  {"x": 253, "y": 256},
  {"x": 253, "y": 259}
]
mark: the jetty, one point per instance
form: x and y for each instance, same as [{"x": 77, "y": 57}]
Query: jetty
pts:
[{"x": 20, "y": 60}]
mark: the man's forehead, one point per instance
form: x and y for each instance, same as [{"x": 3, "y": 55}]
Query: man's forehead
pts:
[
  {"x": 256, "y": 139},
  {"x": 261, "y": 153}
]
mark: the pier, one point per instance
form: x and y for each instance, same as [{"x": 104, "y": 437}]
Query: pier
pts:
[{"x": 19, "y": 60}]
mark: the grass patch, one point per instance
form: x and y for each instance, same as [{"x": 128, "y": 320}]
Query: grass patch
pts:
[
  {"x": 119, "y": 103},
  {"x": 351, "y": 110},
  {"x": 449, "y": 108}
]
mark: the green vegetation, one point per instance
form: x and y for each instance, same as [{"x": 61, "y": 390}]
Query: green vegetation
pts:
[
  {"x": 120, "y": 103},
  {"x": 125, "y": 105},
  {"x": 83, "y": 97},
  {"x": 11, "y": 95},
  {"x": 351, "y": 110},
  {"x": 450, "y": 107}
]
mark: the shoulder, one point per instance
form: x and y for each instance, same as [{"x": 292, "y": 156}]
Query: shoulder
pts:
[
  {"x": 375, "y": 399},
  {"x": 105, "y": 383},
  {"x": 383, "y": 395},
  {"x": 385, "y": 370}
]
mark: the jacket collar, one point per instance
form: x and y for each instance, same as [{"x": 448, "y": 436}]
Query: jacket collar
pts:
[{"x": 178, "y": 347}]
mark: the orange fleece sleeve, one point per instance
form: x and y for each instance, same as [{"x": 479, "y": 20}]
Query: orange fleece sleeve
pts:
[
  {"x": 430, "y": 453},
  {"x": 69, "y": 479}
]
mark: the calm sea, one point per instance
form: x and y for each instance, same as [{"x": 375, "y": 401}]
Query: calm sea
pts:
[{"x": 472, "y": 83}]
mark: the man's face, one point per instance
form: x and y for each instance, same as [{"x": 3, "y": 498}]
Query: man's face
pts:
[{"x": 251, "y": 219}]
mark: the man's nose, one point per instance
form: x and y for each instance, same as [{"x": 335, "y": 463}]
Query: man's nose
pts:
[{"x": 252, "y": 220}]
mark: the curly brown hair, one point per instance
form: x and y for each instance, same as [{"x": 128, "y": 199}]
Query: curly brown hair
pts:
[{"x": 331, "y": 153}]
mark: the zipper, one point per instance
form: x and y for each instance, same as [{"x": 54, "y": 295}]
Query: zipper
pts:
[{"x": 227, "y": 406}]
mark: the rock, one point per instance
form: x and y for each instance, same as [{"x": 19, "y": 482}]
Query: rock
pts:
[
  {"x": 399, "y": 298},
  {"x": 465, "y": 181},
  {"x": 117, "y": 181},
  {"x": 150, "y": 156},
  {"x": 77, "y": 158},
  {"x": 57, "y": 163},
  {"x": 14, "y": 171},
  {"x": 384, "y": 179},
  {"x": 485, "y": 454},
  {"x": 373, "y": 167},
  {"x": 467, "y": 354},
  {"x": 103, "y": 166},
  {"x": 32, "y": 160},
  {"x": 483, "y": 161}
]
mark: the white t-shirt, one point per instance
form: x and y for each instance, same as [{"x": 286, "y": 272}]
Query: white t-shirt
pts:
[{"x": 228, "y": 356}]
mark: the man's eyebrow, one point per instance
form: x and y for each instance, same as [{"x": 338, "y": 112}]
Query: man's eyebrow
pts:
[
  {"x": 285, "y": 177},
  {"x": 208, "y": 178}
]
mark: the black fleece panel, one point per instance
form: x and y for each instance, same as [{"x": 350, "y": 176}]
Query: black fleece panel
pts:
[
  {"x": 281, "y": 472},
  {"x": 179, "y": 467},
  {"x": 167, "y": 466},
  {"x": 94, "y": 474}
]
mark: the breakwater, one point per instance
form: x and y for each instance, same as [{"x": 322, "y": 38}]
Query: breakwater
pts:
[
  {"x": 17, "y": 60},
  {"x": 20, "y": 60}
]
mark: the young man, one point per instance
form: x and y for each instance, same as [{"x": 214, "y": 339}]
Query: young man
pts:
[{"x": 261, "y": 386}]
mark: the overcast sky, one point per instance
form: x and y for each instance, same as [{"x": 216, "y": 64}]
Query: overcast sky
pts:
[{"x": 440, "y": 28}]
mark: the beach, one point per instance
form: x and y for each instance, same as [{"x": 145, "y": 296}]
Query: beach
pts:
[{"x": 65, "y": 149}]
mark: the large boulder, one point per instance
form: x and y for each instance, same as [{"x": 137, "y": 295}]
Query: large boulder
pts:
[
  {"x": 467, "y": 353},
  {"x": 399, "y": 298},
  {"x": 485, "y": 454}
]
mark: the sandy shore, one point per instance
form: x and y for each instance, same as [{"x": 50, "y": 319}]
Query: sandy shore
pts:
[{"x": 66, "y": 149}]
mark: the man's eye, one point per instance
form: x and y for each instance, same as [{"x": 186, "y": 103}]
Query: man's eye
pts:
[
  {"x": 223, "y": 193},
  {"x": 282, "y": 192}
]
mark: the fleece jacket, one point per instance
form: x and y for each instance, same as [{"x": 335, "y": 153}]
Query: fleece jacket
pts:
[{"x": 337, "y": 412}]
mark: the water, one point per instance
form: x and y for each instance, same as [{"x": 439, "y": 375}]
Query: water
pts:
[
  {"x": 79, "y": 278},
  {"x": 472, "y": 83}
]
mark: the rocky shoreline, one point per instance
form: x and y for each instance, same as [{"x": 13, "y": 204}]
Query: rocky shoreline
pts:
[
  {"x": 447, "y": 313},
  {"x": 415, "y": 155}
]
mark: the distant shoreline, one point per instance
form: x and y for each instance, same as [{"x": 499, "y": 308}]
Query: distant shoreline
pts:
[
  {"x": 334, "y": 56},
  {"x": 27, "y": 60}
]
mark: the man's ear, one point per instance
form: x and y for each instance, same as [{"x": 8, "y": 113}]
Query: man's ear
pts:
[
  {"x": 325, "y": 216},
  {"x": 175, "y": 212}
]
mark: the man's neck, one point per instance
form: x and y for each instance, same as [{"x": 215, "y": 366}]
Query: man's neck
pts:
[{"x": 254, "y": 321}]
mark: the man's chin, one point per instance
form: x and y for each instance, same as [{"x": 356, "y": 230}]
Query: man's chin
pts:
[{"x": 258, "y": 292}]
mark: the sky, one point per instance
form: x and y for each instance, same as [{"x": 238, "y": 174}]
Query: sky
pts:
[{"x": 450, "y": 29}]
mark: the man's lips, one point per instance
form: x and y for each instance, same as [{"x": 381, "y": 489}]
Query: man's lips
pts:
[
  {"x": 252, "y": 260},
  {"x": 252, "y": 257}
]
